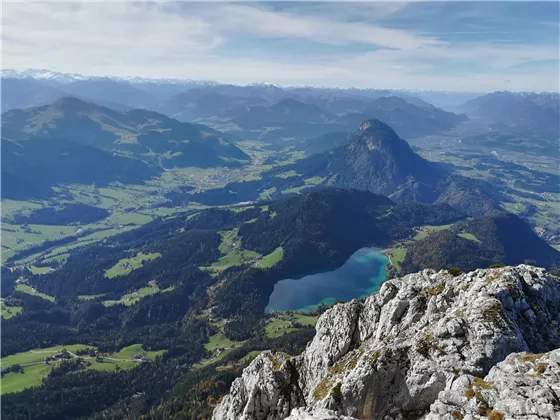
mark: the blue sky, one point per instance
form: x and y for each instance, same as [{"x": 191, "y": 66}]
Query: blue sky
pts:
[{"x": 469, "y": 46}]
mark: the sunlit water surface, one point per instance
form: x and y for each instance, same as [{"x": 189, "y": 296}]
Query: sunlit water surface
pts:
[{"x": 362, "y": 274}]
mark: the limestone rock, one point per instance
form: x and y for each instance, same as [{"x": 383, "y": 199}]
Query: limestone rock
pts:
[
  {"x": 523, "y": 386},
  {"x": 420, "y": 341},
  {"x": 319, "y": 414},
  {"x": 267, "y": 390}
]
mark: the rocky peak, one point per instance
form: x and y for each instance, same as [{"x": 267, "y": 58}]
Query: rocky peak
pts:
[
  {"x": 409, "y": 351},
  {"x": 377, "y": 159},
  {"x": 378, "y": 130}
]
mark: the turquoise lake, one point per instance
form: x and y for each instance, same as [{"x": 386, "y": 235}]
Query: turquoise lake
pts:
[{"x": 360, "y": 276}]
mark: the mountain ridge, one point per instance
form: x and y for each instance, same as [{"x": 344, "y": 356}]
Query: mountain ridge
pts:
[
  {"x": 285, "y": 110},
  {"x": 522, "y": 112},
  {"x": 374, "y": 158},
  {"x": 49, "y": 74},
  {"x": 144, "y": 141},
  {"x": 416, "y": 350},
  {"x": 131, "y": 122},
  {"x": 409, "y": 117},
  {"x": 190, "y": 101}
]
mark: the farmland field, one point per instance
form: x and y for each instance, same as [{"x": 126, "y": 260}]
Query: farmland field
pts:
[
  {"x": 90, "y": 297},
  {"x": 215, "y": 342},
  {"x": 32, "y": 376},
  {"x": 278, "y": 327},
  {"x": 233, "y": 253},
  {"x": 398, "y": 257},
  {"x": 424, "y": 231},
  {"x": 283, "y": 323},
  {"x": 127, "y": 265},
  {"x": 133, "y": 298},
  {"x": 39, "y": 270},
  {"x": 306, "y": 320},
  {"x": 272, "y": 259},
  {"x": 469, "y": 236},
  {"x": 31, "y": 291},
  {"x": 218, "y": 340},
  {"x": 287, "y": 174},
  {"x": 35, "y": 369},
  {"x": 8, "y": 312}
]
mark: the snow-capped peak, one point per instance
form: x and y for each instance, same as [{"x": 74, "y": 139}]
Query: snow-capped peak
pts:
[{"x": 43, "y": 74}]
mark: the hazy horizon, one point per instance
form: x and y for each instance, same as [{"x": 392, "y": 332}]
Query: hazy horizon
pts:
[{"x": 42, "y": 74}]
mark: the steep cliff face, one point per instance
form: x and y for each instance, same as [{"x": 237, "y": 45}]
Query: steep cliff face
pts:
[{"x": 419, "y": 349}]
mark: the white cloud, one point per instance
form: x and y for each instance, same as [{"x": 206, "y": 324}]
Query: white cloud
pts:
[
  {"x": 470, "y": 56},
  {"x": 386, "y": 7},
  {"x": 187, "y": 41},
  {"x": 265, "y": 23},
  {"x": 82, "y": 35}
]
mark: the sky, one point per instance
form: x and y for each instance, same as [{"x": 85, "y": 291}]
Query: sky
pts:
[{"x": 459, "y": 46}]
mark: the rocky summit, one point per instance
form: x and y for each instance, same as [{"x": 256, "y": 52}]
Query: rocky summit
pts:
[{"x": 426, "y": 346}]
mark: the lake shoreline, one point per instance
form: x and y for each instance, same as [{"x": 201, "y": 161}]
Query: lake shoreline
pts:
[{"x": 361, "y": 275}]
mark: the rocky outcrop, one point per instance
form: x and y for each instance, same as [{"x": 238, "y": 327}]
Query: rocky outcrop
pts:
[
  {"x": 524, "y": 386},
  {"x": 268, "y": 389},
  {"x": 418, "y": 349},
  {"x": 319, "y": 414}
]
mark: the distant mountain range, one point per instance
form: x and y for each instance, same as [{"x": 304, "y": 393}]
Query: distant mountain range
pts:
[
  {"x": 138, "y": 133},
  {"x": 122, "y": 95},
  {"x": 203, "y": 103},
  {"x": 72, "y": 135},
  {"x": 48, "y": 75},
  {"x": 263, "y": 111},
  {"x": 407, "y": 119},
  {"x": 373, "y": 158},
  {"x": 25, "y": 93},
  {"x": 314, "y": 120},
  {"x": 519, "y": 112},
  {"x": 311, "y": 114},
  {"x": 285, "y": 111}
]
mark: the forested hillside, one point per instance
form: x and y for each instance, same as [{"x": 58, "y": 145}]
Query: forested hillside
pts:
[
  {"x": 374, "y": 158},
  {"x": 77, "y": 142},
  {"x": 500, "y": 238}
]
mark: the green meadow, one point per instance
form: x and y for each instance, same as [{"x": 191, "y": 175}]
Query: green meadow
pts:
[
  {"x": 127, "y": 265},
  {"x": 35, "y": 369},
  {"x": 31, "y": 291}
]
